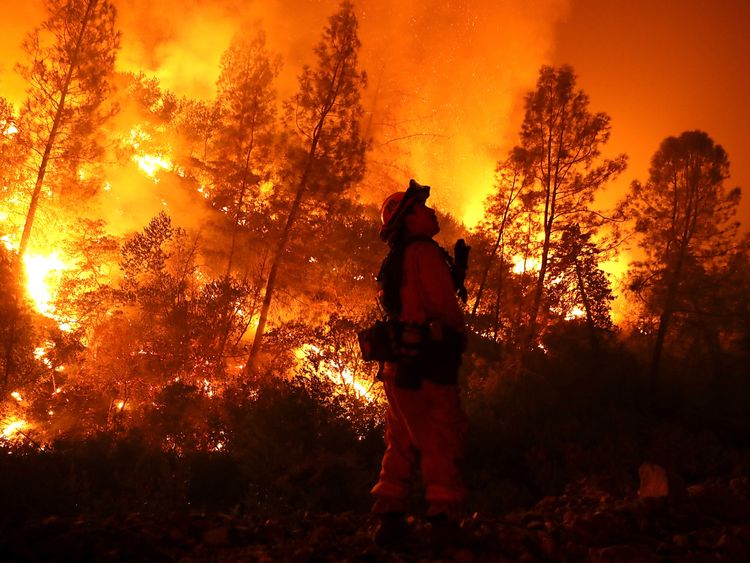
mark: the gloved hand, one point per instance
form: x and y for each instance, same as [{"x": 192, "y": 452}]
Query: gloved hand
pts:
[
  {"x": 461, "y": 254},
  {"x": 461, "y": 264}
]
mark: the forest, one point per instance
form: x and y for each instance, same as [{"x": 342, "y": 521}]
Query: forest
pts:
[{"x": 204, "y": 364}]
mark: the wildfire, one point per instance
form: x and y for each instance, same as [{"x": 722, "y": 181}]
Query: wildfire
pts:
[
  {"x": 9, "y": 129},
  {"x": 42, "y": 278},
  {"x": 575, "y": 313},
  {"x": 342, "y": 377},
  {"x": 6, "y": 238},
  {"x": 523, "y": 264},
  {"x": 150, "y": 164},
  {"x": 14, "y": 427}
]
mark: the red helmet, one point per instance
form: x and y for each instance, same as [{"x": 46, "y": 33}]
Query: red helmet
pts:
[
  {"x": 397, "y": 204},
  {"x": 389, "y": 207}
]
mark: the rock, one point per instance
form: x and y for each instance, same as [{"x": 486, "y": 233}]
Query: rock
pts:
[{"x": 654, "y": 481}]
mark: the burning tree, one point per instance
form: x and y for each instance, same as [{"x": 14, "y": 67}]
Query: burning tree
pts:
[
  {"x": 503, "y": 209},
  {"x": 72, "y": 54},
  {"x": 12, "y": 155},
  {"x": 245, "y": 134},
  {"x": 562, "y": 140},
  {"x": 580, "y": 287},
  {"x": 327, "y": 154}
]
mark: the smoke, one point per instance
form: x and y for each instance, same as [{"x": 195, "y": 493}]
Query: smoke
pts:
[
  {"x": 17, "y": 21},
  {"x": 446, "y": 80}
]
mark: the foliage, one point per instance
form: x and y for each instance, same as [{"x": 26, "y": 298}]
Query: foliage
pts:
[
  {"x": 579, "y": 286},
  {"x": 562, "y": 141},
  {"x": 683, "y": 219},
  {"x": 71, "y": 57},
  {"x": 17, "y": 332},
  {"x": 242, "y": 161},
  {"x": 327, "y": 108},
  {"x": 13, "y": 152},
  {"x": 329, "y": 153}
]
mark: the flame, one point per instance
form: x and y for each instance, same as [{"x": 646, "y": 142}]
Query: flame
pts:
[
  {"x": 523, "y": 264},
  {"x": 10, "y": 130},
  {"x": 17, "y": 396},
  {"x": 150, "y": 164},
  {"x": 42, "y": 280},
  {"x": 575, "y": 313},
  {"x": 14, "y": 427},
  {"x": 6, "y": 238},
  {"x": 341, "y": 377},
  {"x": 40, "y": 353}
]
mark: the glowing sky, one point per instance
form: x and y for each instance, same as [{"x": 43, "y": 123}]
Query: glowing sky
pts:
[
  {"x": 661, "y": 68},
  {"x": 447, "y": 79}
]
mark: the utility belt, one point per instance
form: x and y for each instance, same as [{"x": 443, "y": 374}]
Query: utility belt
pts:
[{"x": 421, "y": 352}]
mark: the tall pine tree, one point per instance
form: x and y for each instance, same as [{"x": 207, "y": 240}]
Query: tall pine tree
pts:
[
  {"x": 71, "y": 56},
  {"x": 563, "y": 140},
  {"x": 330, "y": 152},
  {"x": 683, "y": 217}
]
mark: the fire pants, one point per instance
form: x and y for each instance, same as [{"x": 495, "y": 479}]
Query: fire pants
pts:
[{"x": 426, "y": 424}]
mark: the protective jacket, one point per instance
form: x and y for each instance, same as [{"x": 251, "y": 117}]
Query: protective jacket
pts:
[{"x": 419, "y": 293}]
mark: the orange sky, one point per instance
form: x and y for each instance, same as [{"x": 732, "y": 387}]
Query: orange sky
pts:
[
  {"x": 450, "y": 77},
  {"x": 663, "y": 67}
]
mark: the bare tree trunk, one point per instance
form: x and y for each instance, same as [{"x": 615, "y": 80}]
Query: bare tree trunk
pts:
[
  {"x": 498, "y": 296},
  {"x": 549, "y": 216},
  {"x": 538, "y": 289},
  {"x": 485, "y": 273},
  {"x": 501, "y": 230},
  {"x": 249, "y": 368},
  {"x": 664, "y": 320},
  {"x": 53, "y": 132}
]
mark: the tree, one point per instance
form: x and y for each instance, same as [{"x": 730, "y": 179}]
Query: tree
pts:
[
  {"x": 12, "y": 153},
  {"x": 246, "y": 106},
  {"x": 85, "y": 294},
  {"x": 16, "y": 327},
  {"x": 158, "y": 267},
  {"x": 72, "y": 54},
  {"x": 683, "y": 217},
  {"x": 500, "y": 210},
  {"x": 330, "y": 156},
  {"x": 563, "y": 141},
  {"x": 579, "y": 283}
]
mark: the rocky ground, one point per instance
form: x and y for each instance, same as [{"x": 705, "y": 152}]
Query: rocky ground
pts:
[{"x": 702, "y": 522}]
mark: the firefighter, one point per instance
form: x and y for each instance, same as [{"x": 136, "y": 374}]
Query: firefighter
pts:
[{"x": 425, "y": 423}]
